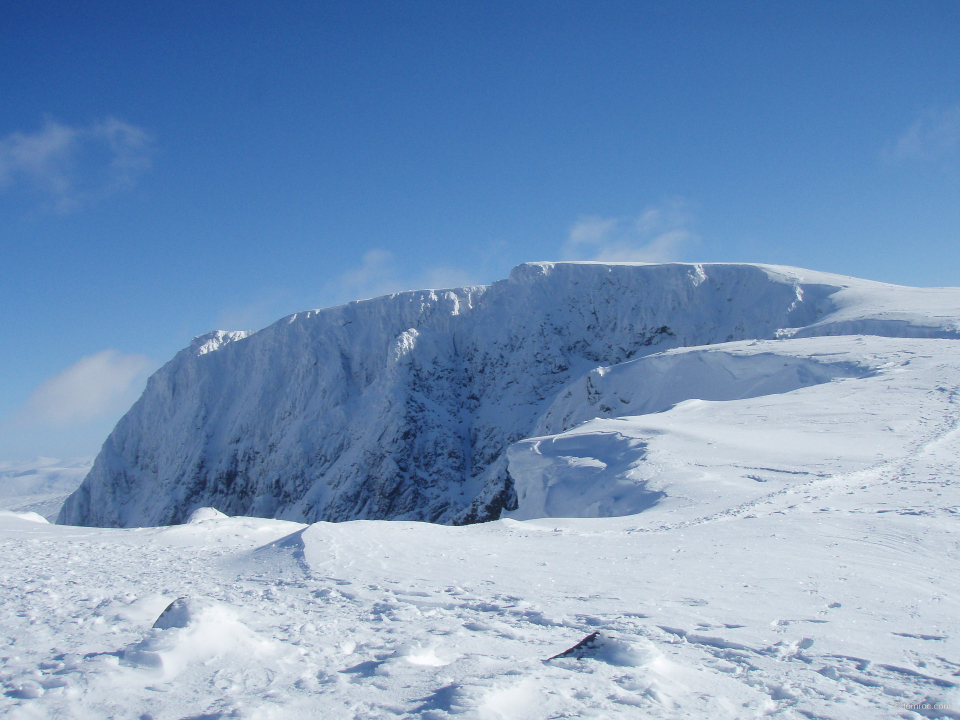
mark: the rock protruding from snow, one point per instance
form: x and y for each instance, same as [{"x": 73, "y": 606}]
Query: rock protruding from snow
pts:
[
  {"x": 178, "y": 614},
  {"x": 402, "y": 407},
  {"x": 598, "y": 646},
  {"x": 193, "y": 631}
]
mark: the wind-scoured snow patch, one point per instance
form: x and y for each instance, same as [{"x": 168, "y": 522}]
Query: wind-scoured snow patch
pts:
[{"x": 579, "y": 475}]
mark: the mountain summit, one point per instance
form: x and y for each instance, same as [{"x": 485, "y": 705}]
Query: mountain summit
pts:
[{"x": 404, "y": 406}]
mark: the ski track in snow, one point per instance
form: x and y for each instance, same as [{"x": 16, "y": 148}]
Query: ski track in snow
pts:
[{"x": 801, "y": 563}]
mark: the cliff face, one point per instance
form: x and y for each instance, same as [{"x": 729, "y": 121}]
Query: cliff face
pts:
[{"x": 402, "y": 407}]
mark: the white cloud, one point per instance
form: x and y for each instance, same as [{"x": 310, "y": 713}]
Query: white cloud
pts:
[
  {"x": 378, "y": 274},
  {"x": 437, "y": 278},
  {"x": 74, "y": 166},
  {"x": 659, "y": 234},
  {"x": 268, "y": 306},
  {"x": 935, "y": 135},
  {"x": 92, "y": 387}
]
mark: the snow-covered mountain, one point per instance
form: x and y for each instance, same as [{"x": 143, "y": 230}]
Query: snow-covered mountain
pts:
[
  {"x": 422, "y": 405},
  {"x": 724, "y": 492},
  {"x": 40, "y": 485},
  {"x": 785, "y": 546}
]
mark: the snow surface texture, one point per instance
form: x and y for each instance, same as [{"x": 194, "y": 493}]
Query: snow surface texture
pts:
[
  {"x": 40, "y": 485},
  {"x": 404, "y": 407},
  {"x": 755, "y": 528},
  {"x": 801, "y": 562}
]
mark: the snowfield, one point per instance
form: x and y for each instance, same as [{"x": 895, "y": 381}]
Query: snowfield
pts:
[{"x": 762, "y": 527}]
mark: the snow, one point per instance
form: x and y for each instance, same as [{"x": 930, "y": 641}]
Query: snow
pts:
[
  {"x": 756, "y": 416},
  {"x": 203, "y": 514},
  {"x": 762, "y": 527},
  {"x": 28, "y": 516},
  {"x": 833, "y": 595},
  {"x": 404, "y": 407},
  {"x": 40, "y": 485}
]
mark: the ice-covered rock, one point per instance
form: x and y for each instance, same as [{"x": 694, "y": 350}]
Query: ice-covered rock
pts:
[{"x": 402, "y": 407}]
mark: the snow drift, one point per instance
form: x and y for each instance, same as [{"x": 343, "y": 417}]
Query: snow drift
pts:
[{"x": 403, "y": 407}]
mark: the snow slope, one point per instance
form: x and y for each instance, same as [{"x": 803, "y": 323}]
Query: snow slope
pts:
[
  {"x": 403, "y": 407},
  {"x": 800, "y": 561},
  {"x": 780, "y": 412}
]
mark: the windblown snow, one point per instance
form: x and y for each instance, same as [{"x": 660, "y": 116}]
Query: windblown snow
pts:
[{"x": 723, "y": 491}]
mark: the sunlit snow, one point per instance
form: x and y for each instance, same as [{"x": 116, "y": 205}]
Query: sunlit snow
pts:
[{"x": 746, "y": 529}]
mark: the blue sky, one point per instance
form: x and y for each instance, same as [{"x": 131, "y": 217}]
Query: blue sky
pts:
[{"x": 171, "y": 168}]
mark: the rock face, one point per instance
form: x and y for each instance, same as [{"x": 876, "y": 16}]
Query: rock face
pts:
[{"x": 402, "y": 407}]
